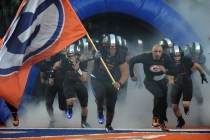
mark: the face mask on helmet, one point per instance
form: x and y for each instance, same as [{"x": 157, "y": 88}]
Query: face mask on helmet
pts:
[
  {"x": 121, "y": 41},
  {"x": 72, "y": 50},
  {"x": 124, "y": 42},
  {"x": 109, "y": 41},
  {"x": 113, "y": 41},
  {"x": 177, "y": 53},
  {"x": 110, "y": 44},
  {"x": 197, "y": 48},
  {"x": 85, "y": 44},
  {"x": 196, "y": 51},
  {"x": 166, "y": 43},
  {"x": 140, "y": 43}
]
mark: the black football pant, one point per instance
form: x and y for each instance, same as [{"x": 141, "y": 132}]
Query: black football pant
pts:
[{"x": 159, "y": 90}]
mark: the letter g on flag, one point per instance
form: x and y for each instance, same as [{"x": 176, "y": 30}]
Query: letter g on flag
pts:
[{"x": 35, "y": 29}]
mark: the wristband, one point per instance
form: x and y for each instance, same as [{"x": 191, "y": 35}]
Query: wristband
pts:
[
  {"x": 203, "y": 75},
  {"x": 79, "y": 72},
  {"x": 120, "y": 83}
]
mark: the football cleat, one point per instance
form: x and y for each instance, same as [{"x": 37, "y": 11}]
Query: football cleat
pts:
[
  {"x": 187, "y": 110},
  {"x": 180, "y": 124},
  {"x": 15, "y": 119},
  {"x": 100, "y": 116},
  {"x": 163, "y": 127},
  {"x": 69, "y": 113},
  {"x": 155, "y": 122},
  {"x": 85, "y": 125},
  {"x": 109, "y": 128}
]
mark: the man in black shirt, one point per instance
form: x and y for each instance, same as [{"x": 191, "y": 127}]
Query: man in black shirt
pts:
[
  {"x": 49, "y": 91},
  {"x": 182, "y": 83},
  {"x": 101, "y": 82},
  {"x": 195, "y": 50},
  {"x": 75, "y": 74},
  {"x": 156, "y": 66}
]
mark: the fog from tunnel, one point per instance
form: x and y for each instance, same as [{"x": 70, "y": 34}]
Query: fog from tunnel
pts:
[
  {"x": 137, "y": 112},
  {"x": 196, "y": 12}
]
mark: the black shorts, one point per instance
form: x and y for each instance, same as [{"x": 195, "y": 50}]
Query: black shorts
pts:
[
  {"x": 51, "y": 92},
  {"x": 104, "y": 89},
  {"x": 77, "y": 89},
  {"x": 182, "y": 89}
]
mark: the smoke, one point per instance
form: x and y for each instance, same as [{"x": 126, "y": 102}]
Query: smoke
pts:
[
  {"x": 137, "y": 112},
  {"x": 196, "y": 12}
]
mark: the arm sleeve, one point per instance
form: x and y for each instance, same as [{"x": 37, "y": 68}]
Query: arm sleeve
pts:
[
  {"x": 188, "y": 62},
  {"x": 133, "y": 61}
]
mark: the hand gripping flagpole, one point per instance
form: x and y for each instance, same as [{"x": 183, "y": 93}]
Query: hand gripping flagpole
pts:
[{"x": 110, "y": 75}]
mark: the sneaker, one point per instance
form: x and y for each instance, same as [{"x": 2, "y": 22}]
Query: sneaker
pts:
[
  {"x": 109, "y": 128},
  {"x": 155, "y": 122},
  {"x": 15, "y": 119},
  {"x": 163, "y": 127},
  {"x": 187, "y": 110},
  {"x": 100, "y": 116},
  {"x": 69, "y": 113},
  {"x": 180, "y": 124},
  {"x": 165, "y": 119},
  {"x": 85, "y": 125}
]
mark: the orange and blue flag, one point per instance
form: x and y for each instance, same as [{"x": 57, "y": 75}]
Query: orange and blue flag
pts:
[{"x": 40, "y": 29}]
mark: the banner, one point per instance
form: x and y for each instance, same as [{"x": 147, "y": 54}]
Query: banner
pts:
[{"x": 40, "y": 29}]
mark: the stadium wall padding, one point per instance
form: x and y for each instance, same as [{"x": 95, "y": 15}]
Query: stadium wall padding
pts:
[{"x": 155, "y": 12}]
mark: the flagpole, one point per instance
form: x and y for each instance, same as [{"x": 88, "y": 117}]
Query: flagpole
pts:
[{"x": 110, "y": 75}]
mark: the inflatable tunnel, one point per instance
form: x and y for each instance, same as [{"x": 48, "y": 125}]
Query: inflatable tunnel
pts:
[{"x": 154, "y": 12}]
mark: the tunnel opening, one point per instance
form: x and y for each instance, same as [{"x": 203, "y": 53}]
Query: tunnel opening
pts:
[{"x": 123, "y": 25}]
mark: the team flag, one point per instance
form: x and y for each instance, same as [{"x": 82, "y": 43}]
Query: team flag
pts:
[{"x": 40, "y": 29}]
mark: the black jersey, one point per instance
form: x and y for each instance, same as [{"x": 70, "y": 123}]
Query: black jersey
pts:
[
  {"x": 70, "y": 74},
  {"x": 151, "y": 67},
  {"x": 124, "y": 51},
  {"x": 112, "y": 63},
  {"x": 48, "y": 63},
  {"x": 184, "y": 67}
]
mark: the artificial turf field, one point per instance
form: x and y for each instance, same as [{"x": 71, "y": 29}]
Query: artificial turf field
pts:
[{"x": 91, "y": 133}]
